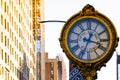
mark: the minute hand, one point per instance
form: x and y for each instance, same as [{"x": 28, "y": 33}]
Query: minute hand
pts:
[{"x": 87, "y": 40}]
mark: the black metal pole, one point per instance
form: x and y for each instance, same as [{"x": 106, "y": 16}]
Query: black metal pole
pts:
[{"x": 52, "y": 21}]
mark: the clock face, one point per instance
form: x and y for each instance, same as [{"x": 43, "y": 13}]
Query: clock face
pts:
[{"x": 88, "y": 39}]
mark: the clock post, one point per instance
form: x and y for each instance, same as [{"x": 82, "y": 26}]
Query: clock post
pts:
[{"x": 89, "y": 39}]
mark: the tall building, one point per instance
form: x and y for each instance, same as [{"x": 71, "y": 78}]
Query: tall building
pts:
[
  {"x": 51, "y": 66},
  {"x": 61, "y": 69},
  {"x": 38, "y": 29},
  {"x": 55, "y": 68},
  {"x": 18, "y": 31}
]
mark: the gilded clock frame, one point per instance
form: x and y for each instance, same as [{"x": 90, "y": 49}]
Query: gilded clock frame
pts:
[{"x": 89, "y": 12}]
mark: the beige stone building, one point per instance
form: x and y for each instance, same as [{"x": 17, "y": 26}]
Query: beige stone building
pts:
[
  {"x": 19, "y": 28},
  {"x": 20, "y": 31}
]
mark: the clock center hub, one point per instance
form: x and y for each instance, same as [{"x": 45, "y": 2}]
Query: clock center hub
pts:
[{"x": 88, "y": 40}]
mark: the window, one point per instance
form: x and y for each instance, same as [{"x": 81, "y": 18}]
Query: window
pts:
[
  {"x": 10, "y": 33},
  {"x": 2, "y": 55},
  {"x": 12, "y": 36},
  {"x": 1, "y": 36},
  {"x": 8, "y": 59},
  {"x": 12, "y": 67},
  {"x": 10, "y": 64},
  {"x": 0, "y": 69},
  {"x": 5, "y": 24},
  {"x": 8, "y": 26},
  {"x": 8, "y": 43},
  {"x": 1, "y": 3},
  {"x": 6, "y": 74},
  {"x": 5, "y": 57},
  {"x": 5, "y": 7},
  {"x": 5, "y": 41},
  {"x": 2, "y": 19},
  {"x": 20, "y": 63},
  {"x": 19, "y": 18},
  {"x": 19, "y": 2},
  {"x": 12, "y": 20}
]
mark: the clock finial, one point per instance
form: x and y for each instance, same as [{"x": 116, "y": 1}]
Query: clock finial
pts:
[{"x": 88, "y": 10}]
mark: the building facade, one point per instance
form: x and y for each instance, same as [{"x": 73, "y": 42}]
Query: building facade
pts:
[
  {"x": 18, "y": 30},
  {"x": 38, "y": 29},
  {"x": 55, "y": 68},
  {"x": 51, "y": 66},
  {"x": 61, "y": 69}
]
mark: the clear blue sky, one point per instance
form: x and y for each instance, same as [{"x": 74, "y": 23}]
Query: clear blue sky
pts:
[{"x": 64, "y": 9}]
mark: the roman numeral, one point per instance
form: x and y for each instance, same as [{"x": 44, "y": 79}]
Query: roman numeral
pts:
[
  {"x": 104, "y": 40},
  {"x": 73, "y": 41},
  {"x": 81, "y": 27},
  {"x": 96, "y": 53},
  {"x": 73, "y": 49},
  {"x": 82, "y": 52},
  {"x": 102, "y": 47},
  {"x": 96, "y": 27},
  {"x": 75, "y": 33},
  {"x": 88, "y": 55},
  {"x": 102, "y": 32},
  {"x": 88, "y": 25}
]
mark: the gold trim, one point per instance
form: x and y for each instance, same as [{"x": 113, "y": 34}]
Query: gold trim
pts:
[{"x": 75, "y": 20}]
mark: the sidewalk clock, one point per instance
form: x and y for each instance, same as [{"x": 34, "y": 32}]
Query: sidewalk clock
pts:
[{"x": 89, "y": 39}]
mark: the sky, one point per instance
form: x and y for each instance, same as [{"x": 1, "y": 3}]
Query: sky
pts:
[{"x": 63, "y": 10}]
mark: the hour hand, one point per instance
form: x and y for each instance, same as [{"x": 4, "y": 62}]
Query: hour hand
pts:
[
  {"x": 95, "y": 42},
  {"x": 89, "y": 39}
]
